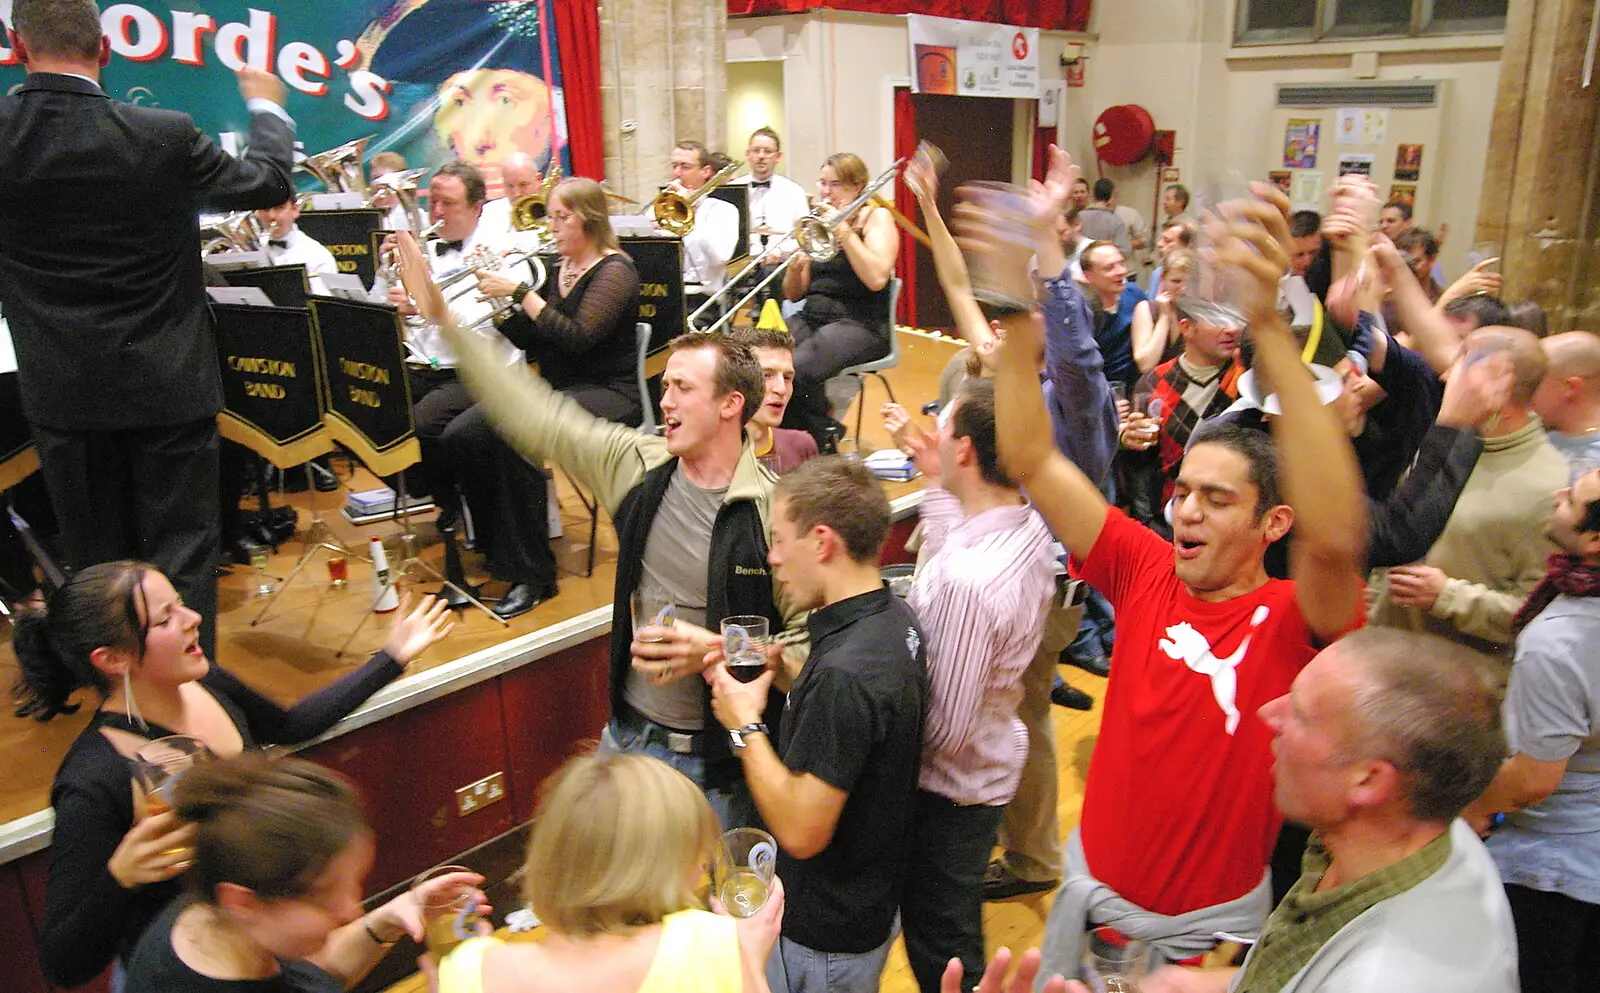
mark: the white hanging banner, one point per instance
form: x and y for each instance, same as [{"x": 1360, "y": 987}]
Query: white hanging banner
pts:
[{"x": 973, "y": 58}]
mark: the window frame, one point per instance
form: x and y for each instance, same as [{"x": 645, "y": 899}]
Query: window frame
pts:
[{"x": 1324, "y": 26}]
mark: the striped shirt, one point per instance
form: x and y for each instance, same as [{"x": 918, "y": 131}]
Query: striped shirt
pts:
[{"x": 980, "y": 598}]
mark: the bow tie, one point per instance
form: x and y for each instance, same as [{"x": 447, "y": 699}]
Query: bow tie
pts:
[
  {"x": 451, "y": 246},
  {"x": 759, "y": 184},
  {"x": 277, "y": 243}
]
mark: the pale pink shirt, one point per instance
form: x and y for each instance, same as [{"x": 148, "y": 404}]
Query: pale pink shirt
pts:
[{"x": 980, "y": 597}]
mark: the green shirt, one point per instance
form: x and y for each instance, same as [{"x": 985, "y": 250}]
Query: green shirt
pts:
[{"x": 1306, "y": 920}]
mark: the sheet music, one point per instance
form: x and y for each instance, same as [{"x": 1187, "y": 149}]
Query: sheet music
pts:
[
  {"x": 344, "y": 286},
  {"x": 250, "y": 296}
]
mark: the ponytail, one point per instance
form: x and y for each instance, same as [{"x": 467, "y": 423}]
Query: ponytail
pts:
[{"x": 98, "y": 607}]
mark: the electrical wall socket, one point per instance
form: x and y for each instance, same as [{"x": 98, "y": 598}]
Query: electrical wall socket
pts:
[{"x": 474, "y": 796}]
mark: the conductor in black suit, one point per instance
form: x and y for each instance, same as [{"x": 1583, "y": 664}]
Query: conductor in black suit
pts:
[{"x": 101, "y": 282}]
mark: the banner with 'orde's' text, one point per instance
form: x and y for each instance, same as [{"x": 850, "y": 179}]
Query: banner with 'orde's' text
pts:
[{"x": 434, "y": 80}]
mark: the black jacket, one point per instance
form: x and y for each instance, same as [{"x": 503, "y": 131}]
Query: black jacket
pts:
[
  {"x": 737, "y": 582},
  {"x": 100, "y": 274}
]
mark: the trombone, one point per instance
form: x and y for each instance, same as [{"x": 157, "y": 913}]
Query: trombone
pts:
[
  {"x": 673, "y": 211},
  {"x": 812, "y": 235}
]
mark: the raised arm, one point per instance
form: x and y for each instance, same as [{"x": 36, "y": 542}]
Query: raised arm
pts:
[
  {"x": 536, "y": 420},
  {"x": 948, "y": 264},
  {"x": 260, "y": 177},
  {"x": 1430, "y": 332},
  {"x": 1068, "y": 500},
  {"x": 1317, "y": 465}
]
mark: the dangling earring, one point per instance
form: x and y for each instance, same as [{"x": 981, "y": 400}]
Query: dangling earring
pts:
[{"x": 130, "y": 703}]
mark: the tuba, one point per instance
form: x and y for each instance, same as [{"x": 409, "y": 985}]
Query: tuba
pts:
[
  {"x": 239, "y": 231},
  {"x": 673, "y": 211},
  {"x": 339, "y": 169},
  {"x": 404, "y": 186}
]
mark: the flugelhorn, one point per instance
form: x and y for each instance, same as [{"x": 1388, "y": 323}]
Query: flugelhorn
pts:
[
  {"x": 339, "y": 169},
  {"x": 673, "y": 211},
  {"x": 812, "y": 235}
]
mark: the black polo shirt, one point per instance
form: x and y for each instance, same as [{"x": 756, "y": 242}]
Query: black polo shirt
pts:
[{"x": 854, "y": 720}]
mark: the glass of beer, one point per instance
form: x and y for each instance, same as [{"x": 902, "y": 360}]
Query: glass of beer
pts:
[
  {"x": 1113, "y": 963},
  {"x": 258, "y": 562},
  {"x": 746, "y": 863},
  {"x": 643, "y": 618},
  {"x": 338, "y": 571},
  {"x": 744, "y": 646},
  {"x": 450, "y": 916},
  {"x": 159, "y": 764}
]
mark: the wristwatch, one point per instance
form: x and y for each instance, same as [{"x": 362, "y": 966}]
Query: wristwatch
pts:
[{"x": 736, "y": 735}]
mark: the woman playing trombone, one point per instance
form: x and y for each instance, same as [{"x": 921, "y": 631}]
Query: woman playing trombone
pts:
[{"x": 844, "y": 318}]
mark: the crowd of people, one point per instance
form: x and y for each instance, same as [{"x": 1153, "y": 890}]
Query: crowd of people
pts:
[{"x": 1330, "y": 526}]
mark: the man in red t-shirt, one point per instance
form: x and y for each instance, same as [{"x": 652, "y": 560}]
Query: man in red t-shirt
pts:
[{"x": 1178, "y": 817}]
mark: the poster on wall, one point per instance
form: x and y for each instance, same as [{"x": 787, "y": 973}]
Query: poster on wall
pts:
[
  {"x": 434, "y": 80},
  {"x": 1407, "y": 163},
  {"x": 1360, "y": 165},
  {"x": 972, "y": 59},
  {"x": 1405, "y": 193},
  {"x": 1052, "y": 100},
  {"x": 1300, "y": 144},
  {"x": 1305, "y": 189},
  {"x": 1361, "y": 125}
]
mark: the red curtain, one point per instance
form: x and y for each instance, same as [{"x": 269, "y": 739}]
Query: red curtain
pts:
[
  {"x": 1061, "y": 15},
  {"x": 905, "y": 146},
  {"x": 578, "y": 34}
]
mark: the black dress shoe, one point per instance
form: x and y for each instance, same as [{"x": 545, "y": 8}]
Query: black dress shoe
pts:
[
  {"x": 1000, "y": 883},
  {"x": 447, "y": 520},
  {"x": 1071, "y": 697},
  {"x": 323, "y": 478},
  {"x": 1089, "y": 657},
  {"x": 521, "y": 598}
]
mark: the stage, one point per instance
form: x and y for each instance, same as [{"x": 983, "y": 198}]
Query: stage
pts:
[{"x": 512, "y": 702}]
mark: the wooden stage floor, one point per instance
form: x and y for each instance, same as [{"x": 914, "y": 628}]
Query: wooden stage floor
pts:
[{"x": 292, "y": 652}]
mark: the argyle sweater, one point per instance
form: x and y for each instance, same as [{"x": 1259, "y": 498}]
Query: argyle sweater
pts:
[{"x": 1185, "y": 402}]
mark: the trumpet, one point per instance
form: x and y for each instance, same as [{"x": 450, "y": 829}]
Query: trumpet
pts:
[
  {"x": 812, "y": 235},
  {"x": 389, "y": 263},
  {"x": 673, "y": 211}
]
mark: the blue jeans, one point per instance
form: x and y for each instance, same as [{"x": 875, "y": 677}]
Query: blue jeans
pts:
[
  {"x": 794, "y": 968},
  {"x": 730, "y": 800},
  {"x": 942, "y": 909}
]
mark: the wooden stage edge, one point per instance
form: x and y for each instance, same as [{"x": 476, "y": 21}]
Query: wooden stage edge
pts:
[{"x": 293, "y": 652}]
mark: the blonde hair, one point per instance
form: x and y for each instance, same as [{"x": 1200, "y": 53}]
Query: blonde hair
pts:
[
  {"x": 616, "y": 845},
  {"x": 1181, "y": 260},
  {"x": 849, "y": 168},
  {"x": 585, "y": 198}
]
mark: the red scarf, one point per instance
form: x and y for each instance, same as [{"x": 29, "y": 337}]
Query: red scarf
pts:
[{"x": 1568, "y": 574}]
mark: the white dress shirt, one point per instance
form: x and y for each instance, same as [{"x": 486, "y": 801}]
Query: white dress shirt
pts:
[
  {"x": 426, "y": 343},
  {"x": 302, "y": 249},
  {"x": 495, "y": 223},
  {"x": 707, "y": 249},
  {"x": 778, "y": 206},
  {"x": 397, "y": 219}
]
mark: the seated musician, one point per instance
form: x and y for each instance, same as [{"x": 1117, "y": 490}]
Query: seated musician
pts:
[
  {"x": 288, "y": 245},
  {"x": 383, "y": 163},
  {"x": 519, "y": 176},
  {"x": 844, "y": 319},
  {"x": 714, "y": 239},
  {"x": 438, "y": 397},
  {"x": 580, "y": 330},
  {"x": 777, "y": 203}
]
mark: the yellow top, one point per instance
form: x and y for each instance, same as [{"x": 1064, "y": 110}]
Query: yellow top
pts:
[{"x": 698, "y": 953}]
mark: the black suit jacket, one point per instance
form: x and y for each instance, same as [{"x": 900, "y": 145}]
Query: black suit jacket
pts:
[{"x": 100, "y": 275}]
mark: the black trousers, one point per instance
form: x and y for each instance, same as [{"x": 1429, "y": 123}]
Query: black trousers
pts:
[
  {"x": 1558, "y": 941},
  {"x": 437, "y": 398},
  {"x": 942, "y": 910},
  {"x": 506, "y": 495},
  {"x": 820, "y": 354},
  {"x": 141, "y": 493}
]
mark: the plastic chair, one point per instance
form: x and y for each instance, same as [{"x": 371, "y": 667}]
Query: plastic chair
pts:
[{"x": 877, "y": 365}]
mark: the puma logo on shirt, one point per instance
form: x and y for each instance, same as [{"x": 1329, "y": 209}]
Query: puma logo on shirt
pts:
[{"x": 1187, "y": 645}]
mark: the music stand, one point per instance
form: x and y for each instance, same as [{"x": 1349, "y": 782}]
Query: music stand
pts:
[
  {"x": 368, "y": 403},
  {"x": 273, "y": 387}
]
